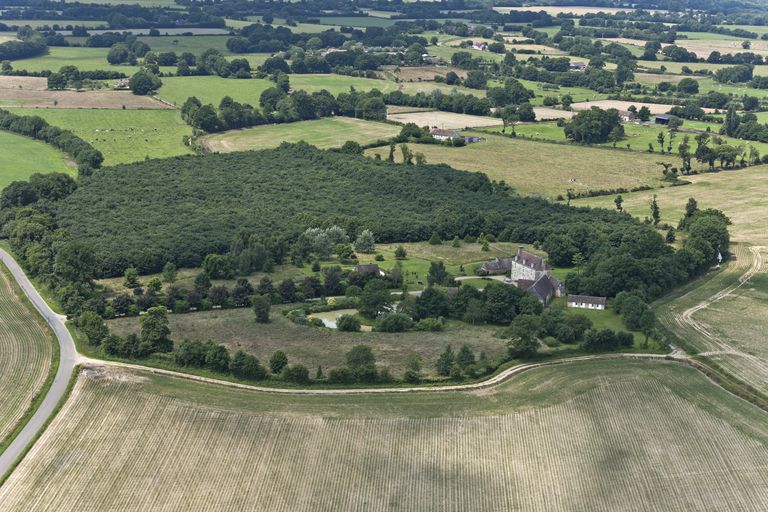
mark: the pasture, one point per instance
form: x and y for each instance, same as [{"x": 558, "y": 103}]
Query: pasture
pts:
[
  {"x": 91, "y": 99},
  {"x": 542, "y": 168},
  {"x": 655, "y": 108},
  {"x": 85, "y": 59},
  {"x": 237, "y": 450},
  {"x": 24, "y": 156},
  {"x": 122, "y": 135},
  {"x": 211, "y": 89},
  {"x": 444, "y": 120},
  {"x": 26, "y": 355},
  {"x": 324, "y": 133}
]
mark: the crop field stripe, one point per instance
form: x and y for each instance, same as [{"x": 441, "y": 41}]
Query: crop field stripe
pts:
[
  {"x": 116, "y": 447},
  {"x": 26, "y": 353}
]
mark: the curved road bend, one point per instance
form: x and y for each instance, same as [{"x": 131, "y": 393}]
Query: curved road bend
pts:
[{"x": 67, "y": 361}]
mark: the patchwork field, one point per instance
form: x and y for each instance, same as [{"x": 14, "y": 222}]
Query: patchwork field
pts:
[
  {"x": 323, "y": 133},
  {"x": 122, "y": 135},
  {"x": 576, "y": 437},
  {"x": 24, "y": 156},
  {"x": 655, "y": 108},
  {"x": 86, "y": 59},
  {"x": 106, "y": 99},
  {"x": 444, "y": 120},
  {"x": 26, "y": 355},
  {"x": 211, "y": 89},
  {"x": 542, "y": 168}
]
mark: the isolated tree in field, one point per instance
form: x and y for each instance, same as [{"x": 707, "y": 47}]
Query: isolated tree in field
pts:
[
  {"x": 684, "y": 150},
  {"x": 407, "y": 154},
  {"x": 391, "y": 157},
  {"x": 202, "y": 283},
  {"x": 438, "y": 274},
  {"x": 154, "y": 286},
  {"x": 94, "y": 328},
  {"x": 670, "y": 236},
  {"x": 131, "y": 278},
  {"x": 413, "y": 370},
  {"x": 691, "y": 207},
  {"x": 144, "y": 82},
  {"x": 465, "y": 358},
  {"x": 278, "y": 361},
  {"x": 421, "y": 159},
  {"x": 401, "y": 253},
  {"x": 155, "y": 333},
  {"x": 661, "y": 137},
  {"x": 261, "y": 306},
  {"x": 362, "y": 363},
  {"x": 435, "y": 239},
  {"x": 445, "y": 362},
  {"x": 655, "y": 212},
  {"x": 619, "y": 201},
  {"x": 365, "y": 242}
]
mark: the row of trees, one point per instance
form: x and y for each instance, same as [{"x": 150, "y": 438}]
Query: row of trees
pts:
[{"x": 85, "y": 155}]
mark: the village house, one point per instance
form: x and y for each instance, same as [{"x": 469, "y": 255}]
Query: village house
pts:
[
  {"x": 440, "y": 134},
  {"x": 432, "y": 59},
  {"x": 578, "y": 66},
  {"x": 480, "y": 45},
  {"x": 528, "y": 272},
  {"x": 586, "y": 302},
  {"x": 627, "y": 116}
]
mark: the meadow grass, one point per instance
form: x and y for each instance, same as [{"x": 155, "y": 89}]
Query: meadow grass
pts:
[
  {"x": 84, "y": 59},
  {"x": 122, "y": 135},
  {"x": 543, "y": 168},
  {"x": 23, "y": 156},
  {"x": 324, "y": 133}
]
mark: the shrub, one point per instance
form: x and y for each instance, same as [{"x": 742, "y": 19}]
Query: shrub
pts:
[
  {"x": 393, "y": 322},
  {"x": 348, "y": 323},
  {"x": 430, "y": 324}
]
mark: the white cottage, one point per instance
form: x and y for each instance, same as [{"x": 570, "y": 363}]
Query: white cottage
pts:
[{"x": 586, "y": 302}]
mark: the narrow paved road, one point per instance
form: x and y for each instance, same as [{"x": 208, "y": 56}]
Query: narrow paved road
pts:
[{"x": 67, "y": 362}]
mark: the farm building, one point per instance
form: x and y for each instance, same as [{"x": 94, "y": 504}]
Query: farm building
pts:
[
  {"x": 433, "y": 59},
  {"x": 441, "y": 134},
  {"x": 586, "y": 302},
  {"x": 370, "y": 268},
  {"x": 578, "y": 66},
  {"x": 469, "y": 139},
  {"x": 627, "y": 116},
  {"x": 662, "y": 119},
  {"x": 528, "y": 272},
  {"x": 480, "y": 45},
  {"x": 121, "y": 84}
]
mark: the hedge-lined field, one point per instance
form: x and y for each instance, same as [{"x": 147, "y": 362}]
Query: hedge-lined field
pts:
[
  {"x": 24, "y": 156},
  {"x": 604, "y": 436},
  {"x": 26, "y": 353}
]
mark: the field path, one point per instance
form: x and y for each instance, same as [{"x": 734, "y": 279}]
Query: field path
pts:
[
  {"x": 718, "y": 347},
  {"x": 69, "y": 358}
]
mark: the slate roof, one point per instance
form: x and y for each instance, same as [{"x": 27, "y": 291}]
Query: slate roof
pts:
[
  {"x": 531, "y": 261},
  {"x": 587, "y": 299},
  {"x": 370, "y": 268},
  {"x": 542, "y": 289}
]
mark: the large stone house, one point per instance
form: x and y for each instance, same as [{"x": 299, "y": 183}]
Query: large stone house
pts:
[{"x": 528, "y": 272}]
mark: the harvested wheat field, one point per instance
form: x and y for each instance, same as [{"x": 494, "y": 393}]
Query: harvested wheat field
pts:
[
  {"x": 26, "y": 355},
  {"x": 444, "y": 120},
  {"x": 106, "y": 99},
  {"x": 29, "y": 83},
  {"x": 548, "y": 114},
  {"x": 426, "y": 73},
  {"x": 655, "y": 108},
  {"x": 598, "y": 436}
]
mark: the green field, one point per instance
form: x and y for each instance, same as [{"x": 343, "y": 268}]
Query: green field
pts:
[
  {"x": 542, "y": 90},
  {"x": 323, "y": 133},
  {"x": 211, "y": 89},
  {"x": 122, "y": 135},
  {"x": 83, "y": 58},
  {"x": 543, "y": 168},
  {"x": 23, "y": 156},
  {"x": 26, "y": 355},
  {"x": 193, "y": 44},
  {"x": 583, "y": 436},
  {"x": 357, "y": 21},
  {"x": 61, "y": 23}
]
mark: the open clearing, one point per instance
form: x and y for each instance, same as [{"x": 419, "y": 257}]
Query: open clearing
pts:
[
  {"x": 655, "y": 108},
  {"x": 532, "y": 167},
  {"x": 122, "y": 135},
  {"x": 444, "y": 120},
  {"x": 102, "y": 98},
  {"x": 24, "y": 156},
  {"x": 26, "y": 354},
  {"x": 323, "y": 133},
  {"x": 584, "y": 436},
  {"x": 315, "y": 347}
]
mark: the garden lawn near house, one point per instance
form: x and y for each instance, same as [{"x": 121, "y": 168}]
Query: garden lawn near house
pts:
[
  {"x": 24, "y": 156},
  {"x": 331, "y": 132}
]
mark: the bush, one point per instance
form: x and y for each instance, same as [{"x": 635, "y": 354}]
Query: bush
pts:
[
  {"x": 295, "y": 373},
  {"x": 393, "y": 322},
  {"x": 348, "y": 323},
  {"x": 430, "y": 324}
]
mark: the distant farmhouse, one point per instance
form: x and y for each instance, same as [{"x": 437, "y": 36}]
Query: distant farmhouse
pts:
[
  {"x": 370, "y": 268},
  {"x": 451, "y": 135},
  {"x": 578, "y": 66},
  {"x": 627, "y": 116},
  {"x": 586, "y": 302},
  {"x": 528, "y": 272},
  {"x": 480, "y": 45}
]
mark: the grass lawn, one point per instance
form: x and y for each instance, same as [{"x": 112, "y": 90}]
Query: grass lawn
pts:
[
  {"x": 323, "y": 133},
  {"x": 542, "y": 90},
  {"x": 211, "y": 89},
  {"x": 193, "y": 44},
  {"x": 574, "y": 437},
  {"x": 23, "y": 156},
  {"x": 84, "y": 59},
  {"x": 445, "y": 52},
  {"x": 122, "y": 135},
  {"x": 336, "y": 84},
  {"x": 543, "y": 168}
]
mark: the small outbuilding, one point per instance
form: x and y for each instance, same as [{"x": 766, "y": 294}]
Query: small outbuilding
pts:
[
  {"x": 662, "y": 119},
  {"x": 586, "y": 302}
]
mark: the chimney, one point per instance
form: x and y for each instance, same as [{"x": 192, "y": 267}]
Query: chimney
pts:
[{"x": 519, "y": 251}]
